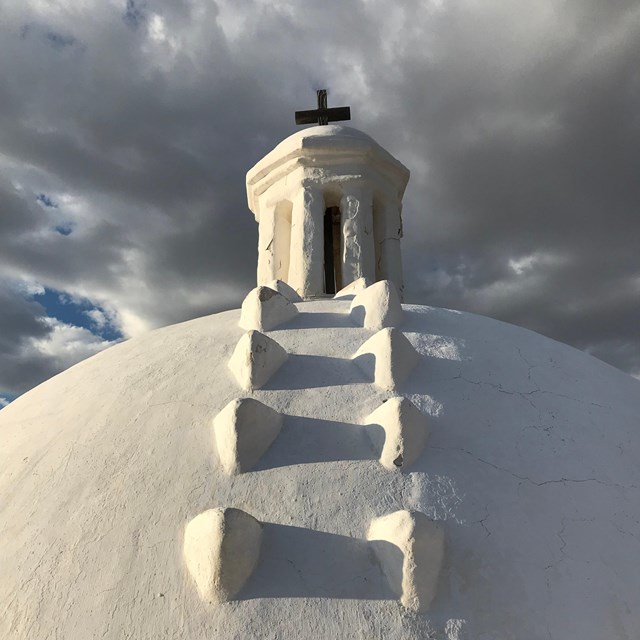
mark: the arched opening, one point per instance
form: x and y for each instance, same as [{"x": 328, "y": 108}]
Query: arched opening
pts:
[
  {"x": 282, "y": 239},
  {"x": 332, "y": 262}
]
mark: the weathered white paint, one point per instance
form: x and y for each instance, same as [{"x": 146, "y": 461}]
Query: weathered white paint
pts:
[
  {"x": 410, "y": 547},
  {"x": 282, "y": 287},
  {"x": 267, "y": 268},
  {"x": 243, "y": 431},
  {"x": 255, "y": 359},
  {"x": 354, "y": 288},
  {"x": 221, "y": 549},
  {"x": 264, "y": 309},
  {"x": 290, "y": 189},
  {"x": 387, "y": 358},
  {"x": 358, "y": 245},
  {"x": 378, "y": 306},
  {"x": 405, "y": 432},
  {"x": 281, "y": 246},
  {"x": 306, "y": 274},
  {"x": 390, "y": 263},
  {"x": 387, "y": 233}
]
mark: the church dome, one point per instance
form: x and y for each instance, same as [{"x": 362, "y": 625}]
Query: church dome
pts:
[
  {"x": 326, "y": 137},
  {"x": 313, "y": 145},
  {"x": 530, "y": 470},
  {"x": 324, "y": 465},
  {"x": 313, "y": 135}
]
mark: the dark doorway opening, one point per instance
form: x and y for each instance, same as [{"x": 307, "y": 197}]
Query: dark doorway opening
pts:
[{"x": 332, "y": 263}]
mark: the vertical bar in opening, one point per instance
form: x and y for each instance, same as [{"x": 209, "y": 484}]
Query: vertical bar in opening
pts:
[
  {"x": 337, "y": 247},
  {"x": 329, "y": 270}
]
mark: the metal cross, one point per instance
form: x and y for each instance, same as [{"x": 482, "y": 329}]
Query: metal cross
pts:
[{"x": 323, "y": 115}]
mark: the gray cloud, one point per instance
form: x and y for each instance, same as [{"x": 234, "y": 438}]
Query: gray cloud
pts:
[
  {"x": 519, "y": 122},
  {"x": 20, "y": 322}
]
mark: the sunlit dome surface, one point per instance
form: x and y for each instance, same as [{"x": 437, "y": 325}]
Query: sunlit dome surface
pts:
[{"x": 531, "y": 468}]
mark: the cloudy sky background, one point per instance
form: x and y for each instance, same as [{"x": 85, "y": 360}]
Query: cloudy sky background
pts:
[{"x": 127, "y": 127}]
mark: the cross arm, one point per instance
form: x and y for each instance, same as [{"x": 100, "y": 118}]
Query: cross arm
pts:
[{"x": 314, "y": 115}]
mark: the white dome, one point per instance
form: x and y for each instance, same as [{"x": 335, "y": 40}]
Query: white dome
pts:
[
  {"x": 315, "y": 146},
  {"x": 531, "y": 467},
  {"x": 327, "y": 131}
]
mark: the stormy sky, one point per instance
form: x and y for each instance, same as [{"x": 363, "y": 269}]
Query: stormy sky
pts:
[{"x": 127, "y": 127}]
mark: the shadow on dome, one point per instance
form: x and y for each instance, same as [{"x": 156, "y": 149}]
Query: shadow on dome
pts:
[
  {"x": 312, "y": 372},
  {"x": 318, "y": 320},
  {"x": 440, "y": 321},
  {"x": 304, "y": 563},
  {"x": 310, "y": 440}
]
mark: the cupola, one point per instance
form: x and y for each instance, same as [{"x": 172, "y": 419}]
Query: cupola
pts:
[{"x": 328, "y": 201}]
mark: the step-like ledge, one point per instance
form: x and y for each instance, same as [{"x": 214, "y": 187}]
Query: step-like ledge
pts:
[
  {"x": 243, "y": 431},
  {"x": 387, "y": 358},
  {"x": 378, "y": 306},
  {"x": 410, "y": 548},
  {"x": 405, "y": 432},
  {"x": 264, "y": 309},
  {"x": 255, "y": 359},
  {"x": 221, "y": 550}
]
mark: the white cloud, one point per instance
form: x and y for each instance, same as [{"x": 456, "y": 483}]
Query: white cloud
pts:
[
  {"x": 539, "y": 260},
  {"x": 30, "y": 288},
  {"x": 66, "y": 344},
  {"x": 98, "y": 318},
  {"x": 159, "y": 33}
]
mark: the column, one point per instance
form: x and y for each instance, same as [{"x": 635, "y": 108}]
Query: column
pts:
[
  {"x": 388, "y": 231},
  {"x": 282, "y": 240},
  {"x": 358, "y": 249},
  {"x": 306, "y": 263},
  {"x": 266, "y": 246},
  {"x": 391, "y": 263}
]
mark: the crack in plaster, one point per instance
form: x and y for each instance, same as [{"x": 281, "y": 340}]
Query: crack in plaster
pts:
[
  {"x": 524, "y": 394},
  {"x": 482, "y": 520},
  {"x": 531, "y": 480}
]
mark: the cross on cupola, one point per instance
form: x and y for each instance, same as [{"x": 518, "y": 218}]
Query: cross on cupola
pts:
[{"x": 323, "y": 115}]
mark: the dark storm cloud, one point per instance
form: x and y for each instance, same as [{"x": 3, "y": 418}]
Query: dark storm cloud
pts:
[
  {"x": 20, "y": 322},
  {"x": 20, "y": 319},
  {"x": 139, "y": 120},
  {"x": 543, "y": 162}
]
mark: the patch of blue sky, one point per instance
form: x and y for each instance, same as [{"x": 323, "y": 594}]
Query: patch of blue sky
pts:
[
  {"x": 79, "y": 313},
  {"x": 58, "y": 40},
  {"x": 46, "y": 200},
  {"x": 65, "y": 229},
  {"x": 133, "y": 14},
  {"x": 6, "y": 398},
  {"x": 54, "y": 39}
]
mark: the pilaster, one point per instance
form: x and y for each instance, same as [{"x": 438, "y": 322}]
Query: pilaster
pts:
[
  {"x": 266, "y": 246},
  {"x": 358, "y": 252},
  {"x": 307, "y": 242}
]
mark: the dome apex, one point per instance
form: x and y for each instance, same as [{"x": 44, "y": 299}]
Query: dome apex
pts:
[
  {"x": 326, "y": 134},
  {"x": 318, "y": 142}
]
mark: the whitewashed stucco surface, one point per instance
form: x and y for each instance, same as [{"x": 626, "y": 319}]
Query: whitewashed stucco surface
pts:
[{"x": 532, "y": 466}]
